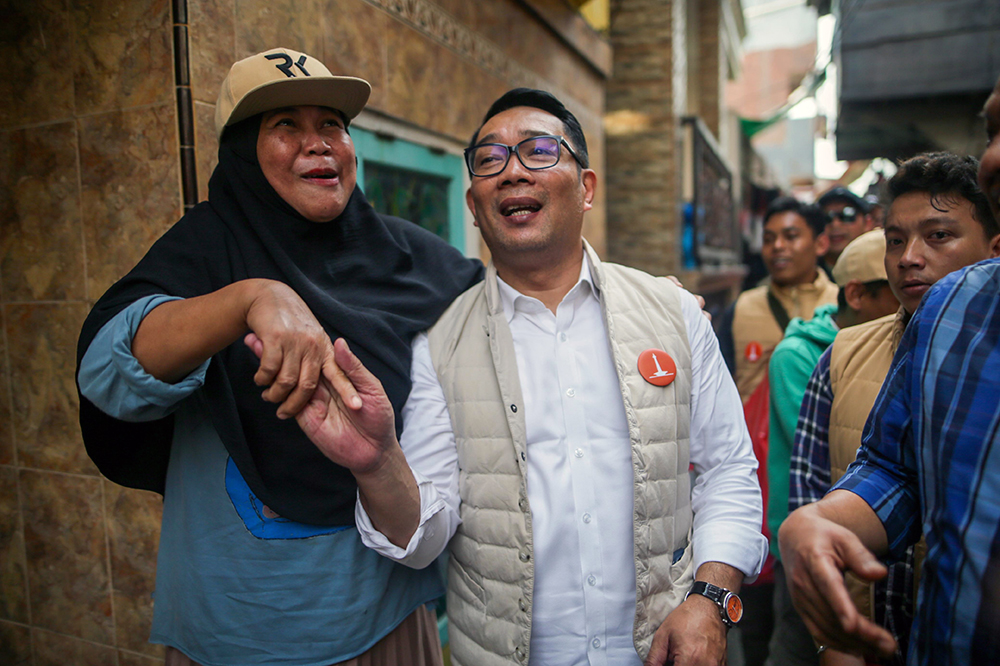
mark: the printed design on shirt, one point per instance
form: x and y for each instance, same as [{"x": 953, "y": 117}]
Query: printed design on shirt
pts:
[
  {"x": 656, "y": 367},
  {"x": 753, "y": 352},
  {"x": 259, "y": 519}
]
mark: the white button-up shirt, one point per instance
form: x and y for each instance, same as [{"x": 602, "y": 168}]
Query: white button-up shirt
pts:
[{"x": 580, "y": 475}]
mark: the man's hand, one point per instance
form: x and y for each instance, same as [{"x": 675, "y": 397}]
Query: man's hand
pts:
[
  {"x": 692, "y": 635},
  {"x": 700, "y": 299},
  {"x": 349, "y": 417},
  {"x": 815, "y": 552},
  {"x": 293, "y": 346}
]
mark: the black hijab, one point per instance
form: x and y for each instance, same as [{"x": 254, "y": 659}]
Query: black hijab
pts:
[{"x": 372, "y": 279}]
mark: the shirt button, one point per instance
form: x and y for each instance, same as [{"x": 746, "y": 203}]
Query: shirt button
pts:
[
  {"x": 570, "y": 392},
  {"x": 522, "y": 605},
  {"x": 586, "y": 517},
  {"x": 596, "y": 643},
  {"x": 562, "y": 337},
  {"x": 578, "y": 453},
  {"x": 524, "y": 557},
  {"x": 522, "y": 504},
  {"x": 520, "y": 654},
  {"x": 591, "y": 580}
]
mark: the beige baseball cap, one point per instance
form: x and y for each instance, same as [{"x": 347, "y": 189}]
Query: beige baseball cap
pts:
[
  {"x": 863, "y": 259},
  {"x": 283, "y": 77}
]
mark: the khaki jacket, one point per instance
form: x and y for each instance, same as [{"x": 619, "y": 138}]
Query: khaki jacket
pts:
[
  {"x": 491, "y": 568},
  {"x": 859, "y": 362},
  {"x": 753, "y": 324}
]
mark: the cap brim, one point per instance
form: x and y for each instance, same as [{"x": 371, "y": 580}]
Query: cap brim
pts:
[{"x": 346, "y": 94}]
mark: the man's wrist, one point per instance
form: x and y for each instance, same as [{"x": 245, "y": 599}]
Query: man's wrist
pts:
[{"x": 726, "y": 604}]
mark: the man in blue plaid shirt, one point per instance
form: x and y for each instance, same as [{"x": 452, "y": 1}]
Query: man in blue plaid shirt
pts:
[{"x": 929, "y": 463}]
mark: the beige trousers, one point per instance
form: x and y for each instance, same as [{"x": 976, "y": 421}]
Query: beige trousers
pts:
[{"x": 414, "y": 642}]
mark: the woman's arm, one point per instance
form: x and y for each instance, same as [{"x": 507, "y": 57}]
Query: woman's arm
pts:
[{"x": 179, "y": 336}]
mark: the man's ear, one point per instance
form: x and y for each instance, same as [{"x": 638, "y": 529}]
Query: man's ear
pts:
[
  {"x": 589, "y": 179},
  {"x": 472, "y": 206},
  {"x": 822, "y": 244},
  {"x": 995, "y": 247},
  {"x": 854, "y": 291}
]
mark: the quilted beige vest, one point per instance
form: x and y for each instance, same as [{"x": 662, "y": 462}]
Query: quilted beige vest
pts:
[
  {"x": 756, "y": 333},
  {"x": 491, "y": 568},
  {"x": 859, "y": 362}
]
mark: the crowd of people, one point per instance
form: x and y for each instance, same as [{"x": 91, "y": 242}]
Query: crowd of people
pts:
[{"x": 333, "y": 401}]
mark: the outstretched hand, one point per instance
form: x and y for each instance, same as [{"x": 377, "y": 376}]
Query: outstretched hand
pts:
[{"x": 815, "y": 552}]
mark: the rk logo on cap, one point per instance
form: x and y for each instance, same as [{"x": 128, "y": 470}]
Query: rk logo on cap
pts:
[{"x": 656, "y": 367}]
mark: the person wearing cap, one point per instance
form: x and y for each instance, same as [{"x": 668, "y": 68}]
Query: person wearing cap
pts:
[
  {"x": 938, "y": 222},
  {"x": 749, "y": 330},
  {"x": 260, "y": 561},
  {"x": 864, "y": 295},
  {"x": 850, "y": 216},
  {"x": 556, "y": 411}
]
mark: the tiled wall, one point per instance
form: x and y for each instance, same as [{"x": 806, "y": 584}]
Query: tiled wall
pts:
[{"x": 90, "y": 177}]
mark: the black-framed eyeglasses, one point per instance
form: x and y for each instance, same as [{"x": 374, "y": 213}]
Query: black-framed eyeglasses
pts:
[
  {"x": 846, "y": 214},
  {"x": 535, "y": 153}
]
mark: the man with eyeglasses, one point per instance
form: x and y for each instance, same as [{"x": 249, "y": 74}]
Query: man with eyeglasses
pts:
[
  {"x": 850, "y": 216},
  {"x": 556, "y": 411}
]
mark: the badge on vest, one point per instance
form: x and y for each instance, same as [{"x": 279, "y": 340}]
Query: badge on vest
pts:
[
  {"x": 753, "y": 352},
  {"x": 656, "y": 367}
]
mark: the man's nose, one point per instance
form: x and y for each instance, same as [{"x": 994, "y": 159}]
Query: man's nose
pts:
[
  {"x": 515, "y": 171},
  {"x": 912, "y": 254}
]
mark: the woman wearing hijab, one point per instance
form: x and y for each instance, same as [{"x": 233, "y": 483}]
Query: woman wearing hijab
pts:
[{"x": 259, "y": 561}]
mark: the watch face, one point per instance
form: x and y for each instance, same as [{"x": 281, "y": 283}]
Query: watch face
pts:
[{"x": 734, "y": 608}]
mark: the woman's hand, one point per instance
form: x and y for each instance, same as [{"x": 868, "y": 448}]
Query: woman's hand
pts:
[{"x": 292, "y": 346}]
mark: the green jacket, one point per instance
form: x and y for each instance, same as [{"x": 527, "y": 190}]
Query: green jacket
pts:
[{"x": 792, "y": 364}]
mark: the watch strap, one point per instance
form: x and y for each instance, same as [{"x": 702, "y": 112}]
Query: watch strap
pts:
[{"x": 730, "y": 605}]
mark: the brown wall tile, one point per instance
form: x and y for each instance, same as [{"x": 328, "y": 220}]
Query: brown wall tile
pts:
[
  {"x": 134, "y": 533},
  {"x": 124, "y": 54},
  {"x": 354, "y": 44},
  {"x": 15, "y": 644},
  {"x": 42, "y": 342},
  {"x": 268, "y": 24},
  {"x": 13, "y": 597},
  {"x": 206, "y": 146},
  {"x": 68, "y": 581},
  {"x": 53, "y": 649},
  {"x": 433, "y": 87},
  {"x": 41, "y": 249},
  {"x": 38, "y": 44},
  {"x": 130, "y": 179},
  {"x": 212, "y": 38},
  {"x": 7, "y": 456}
]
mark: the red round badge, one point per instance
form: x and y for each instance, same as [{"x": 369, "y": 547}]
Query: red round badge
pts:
[
  {"x": 656, "y": 367},
  {"x": 753, "y": 352}
]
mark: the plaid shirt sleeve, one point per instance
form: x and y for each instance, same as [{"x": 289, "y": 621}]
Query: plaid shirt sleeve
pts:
[
  {"x": 809, "y": 467},
  {"x": 884, "y": 473}
]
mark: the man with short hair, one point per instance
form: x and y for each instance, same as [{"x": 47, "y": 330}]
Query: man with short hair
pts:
[
  {"x": 938, "y": 222},
  {"x": 864, "y": 295},
  {"x": 850, "y": 216},
  {"x": 748, "y": 331},
  {"x": 555, "y": 413},
  {"x": 927, "y": 465}
]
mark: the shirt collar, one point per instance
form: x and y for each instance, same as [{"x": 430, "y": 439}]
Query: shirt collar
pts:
[{"x": 514, "y": 301}]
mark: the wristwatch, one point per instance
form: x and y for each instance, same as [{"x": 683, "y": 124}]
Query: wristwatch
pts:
[{"x": 730, "y": 605}]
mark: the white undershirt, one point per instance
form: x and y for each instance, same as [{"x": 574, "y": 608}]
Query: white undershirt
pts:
[{"x": 580, "y": 475}]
